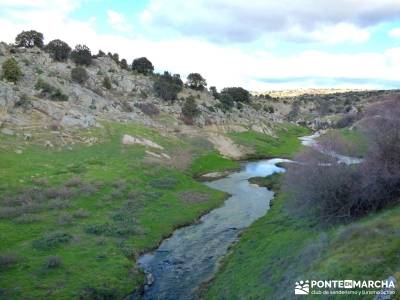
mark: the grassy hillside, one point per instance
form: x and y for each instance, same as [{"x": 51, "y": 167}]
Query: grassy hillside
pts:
[
  {"x": 73, "y": 220},
  {"x": 285, "y": 144},
  {"x": 278, "y": 249}
]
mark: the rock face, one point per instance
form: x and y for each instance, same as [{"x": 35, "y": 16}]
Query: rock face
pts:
[
  {"x": 90, "y": 101},
  {"x": 131, "y": 140}
]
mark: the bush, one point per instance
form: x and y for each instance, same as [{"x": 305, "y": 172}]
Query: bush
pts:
[
  {"x": 347, "y": 121},
  {"x": 164, "y": 183},
  {"x": 238, "y": 94},
  {"x": 99, "y": 293},
  {"x": 27, "y": 219},
  {"x": 149, "y": 109},
  {"x": 124, "y": 64},
  {"x": 269, "y": 109},
  {"x": 47, "y": 90},
  {"x": 196, "y": 81},
  {"x": 58, "y": 50},
  {"x": 115, "y": 57},
  {"x": 190, "y": 109},
  {"x": 168, "y": 86},
  {"x": 53, "y": 262},
  {"x": 11, "y": 70},
  {"x": 81, "y": 213},
  {"x": 65, "y": 219},
  {"x": 226, "y": 101},
  {"x": 79, "y": 75},
  {"x": 29, "y": 39},
  {"x": 8, "y": 260},
  {"x": 294, "y": 111},
  {"x": 51, "y": 240},
  {"x": 321, "y": 188},
  {"x": 107, "y": 83},
  {"x": 142, "y": 65},
  {"x": 81, "y": 55},
  {"x": 330, "y": 192},
  {"x": 214, "y": 92},
  {"x": 58, "y": 95},
  {"x": 44, "y": 86}
]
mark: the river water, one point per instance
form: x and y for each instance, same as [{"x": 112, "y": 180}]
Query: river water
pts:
[{"x": 191, "y": 255}]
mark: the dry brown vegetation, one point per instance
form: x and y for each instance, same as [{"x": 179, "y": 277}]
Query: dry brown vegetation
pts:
[{"x": 330, "y": 191}]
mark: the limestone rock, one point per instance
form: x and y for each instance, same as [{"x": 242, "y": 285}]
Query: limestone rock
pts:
[{"x": 131, "y": 140}]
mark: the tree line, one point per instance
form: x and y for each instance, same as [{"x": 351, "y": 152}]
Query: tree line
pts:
[{"x": 166, "y": 85}]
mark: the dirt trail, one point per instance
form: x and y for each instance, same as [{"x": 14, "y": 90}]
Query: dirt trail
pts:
[{"x": 226, "y": 146}]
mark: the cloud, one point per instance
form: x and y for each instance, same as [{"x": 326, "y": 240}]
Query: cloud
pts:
[
  {"x": 221, "y": 64},
  {"x": 244, "y": 21},
  {"x": 118, "y": 21},
  {"x": 342, "y": 32},
  {"x": 394, "y": 33}
]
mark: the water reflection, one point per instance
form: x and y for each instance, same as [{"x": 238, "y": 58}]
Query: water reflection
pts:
[{"x": 190, "y": 256}]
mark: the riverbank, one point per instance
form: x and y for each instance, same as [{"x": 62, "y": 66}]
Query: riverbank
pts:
[
  {"x": 278, "y": 250},
  {"x": 76, "y": 218}
]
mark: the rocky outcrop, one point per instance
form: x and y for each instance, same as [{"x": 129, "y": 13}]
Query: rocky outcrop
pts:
[{"x": 131, "y": 140}]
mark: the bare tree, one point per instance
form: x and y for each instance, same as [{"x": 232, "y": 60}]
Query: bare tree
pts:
[{"x": 328, "y": 191}]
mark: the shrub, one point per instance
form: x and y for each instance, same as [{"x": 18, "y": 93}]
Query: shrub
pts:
[
  {"x": 58, "y": 50},
  {"x": 149, "y": 109},
  {"x": 196, "y": 81},
  {"x": 190, "y": 108},
  {"x": 53, "y": 262},
  {"x": 81, "y": 55},
  {"x": 29, "y": 39},
  {"x": 58, "y": 95},
  {"x": 168, "y": 86},
  {"x": 142, "y": 65},
  {"x": 329, "y": 191},
  {"x": 347, "y": 121},
  {"x": 115, "y": 57},
  {"x": 294, "y": 111},
  {"x": 99, "y": 293},
  {"x": 107, "y": 83},
  {"x": 51, "y": 240},
  {"x": 226, "y": 101},
  {"x": 269, "y": 109},
  {"x": 321, "y": 188},
  {"x": 164, "y": 183},
  {"x": 47, "y": 90},
  {"x": 44, "y": 86},
  {"x": 11, "y": 70},
  {"x": 65, "y": 219},
  {"x": 79, "y": 75},
  {"x": 124, "y": 64},
  {"x": 214, "y": 92},
  {"x": 81, "y": 213},
  {"x": 27, "y": 219},
  {"x": 238, "y": 94},
  {"x": 8, "y": 260}
]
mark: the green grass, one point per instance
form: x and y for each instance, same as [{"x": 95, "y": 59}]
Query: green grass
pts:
[
  {"x": 212, "y": 162},
  {"x": 129, "y": 205},
  {"x": 278, "y": 249},
  {"x": 271, "y": 182},
  {"x": 285, "y": 144},
  {"x": 357, "y": 139}
]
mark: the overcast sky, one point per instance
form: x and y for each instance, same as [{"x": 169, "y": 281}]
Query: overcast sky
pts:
[{"x": 258, "y": 44}]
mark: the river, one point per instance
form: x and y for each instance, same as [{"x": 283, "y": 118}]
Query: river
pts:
[{"x": 191, "y": 255}]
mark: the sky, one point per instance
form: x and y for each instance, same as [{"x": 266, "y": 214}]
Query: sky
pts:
[{"x": 261, "y": 45}]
